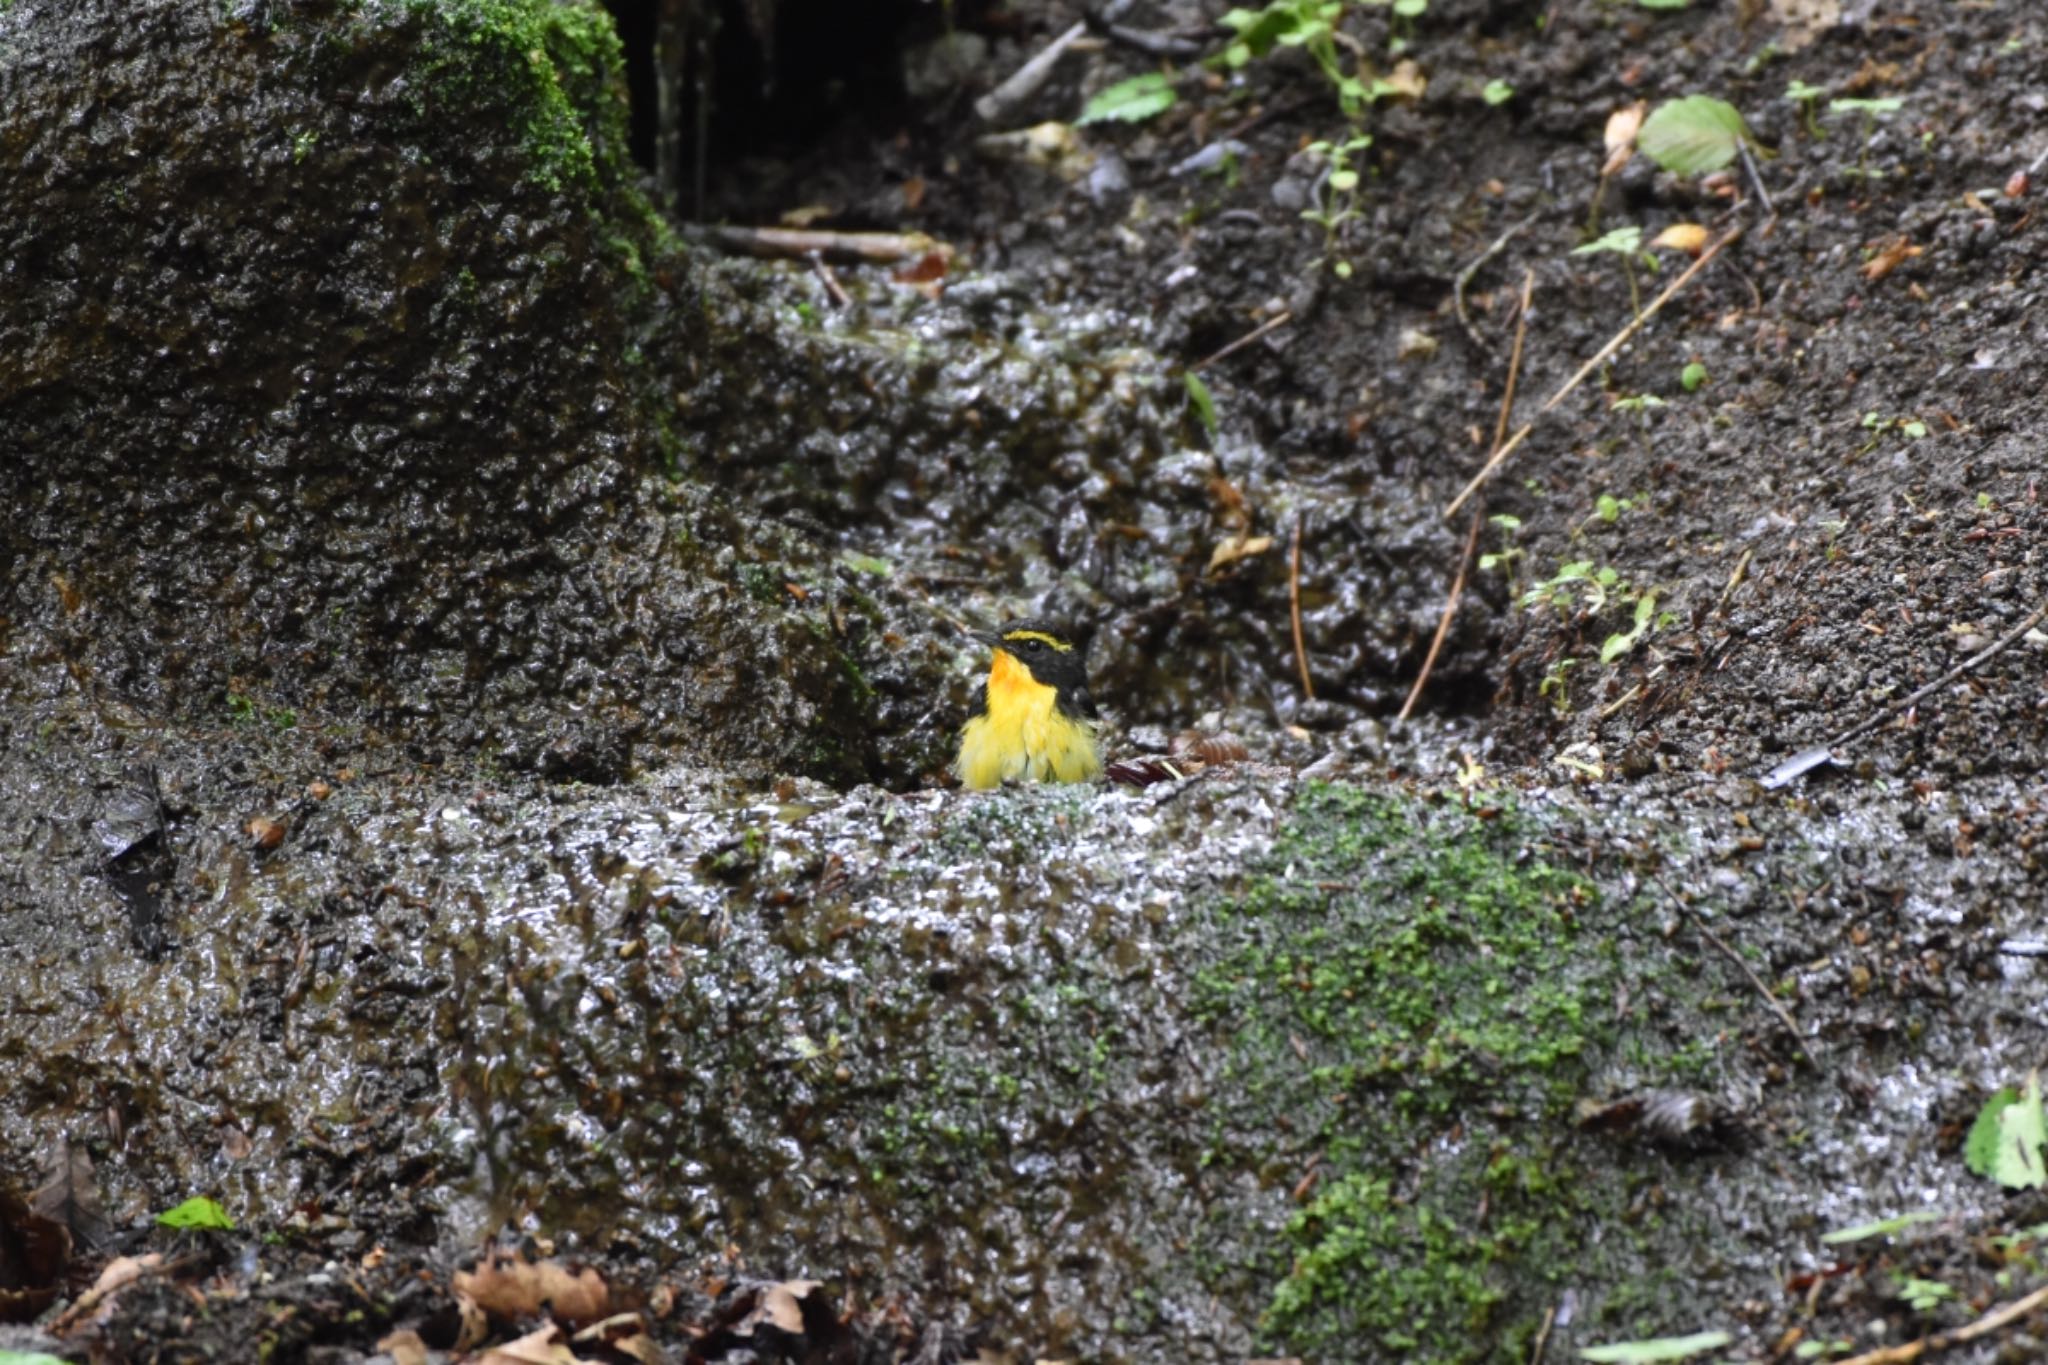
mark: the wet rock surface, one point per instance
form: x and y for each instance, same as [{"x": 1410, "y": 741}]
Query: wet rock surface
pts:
[{"x": 434, "y": 717}]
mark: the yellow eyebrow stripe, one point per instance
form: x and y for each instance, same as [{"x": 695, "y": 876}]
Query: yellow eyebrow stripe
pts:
[{"x": 1022, "y": 635}]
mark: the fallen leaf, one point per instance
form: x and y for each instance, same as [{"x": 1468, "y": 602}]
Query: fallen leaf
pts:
[
  {"x": 405, "y": 1348},
  {"x": 913, "y": 193},
  {"x": 35, "y": 1251},
  {"x": 544, "y": 1347},
  {"x": 70, "y": 1195},
  {"x": 1405, "y": 81},
  {"x": 1687, "y": 237},
  {"x": 1895, "y": 252},
  {"x": 508, "y": 1286},
  {"x": 782, "y": 1305},
  {"x": 1244, "y": 547},
  {"x": 625, "y": 1334},
  {"x": 1146, "y": 769},
  {"x": 1620, "y": 136},
  {"x": 120, "y": 1272},
  {"x": 1211, "y": 749},
  {"x": 808, "y": 215},
  {"x": 1803, "y": 20}
]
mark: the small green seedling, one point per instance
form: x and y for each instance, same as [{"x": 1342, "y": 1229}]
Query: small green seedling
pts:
[
  {"x": 1509, "y": 553},
  {"x": 1310, "y": 25},
  {"x": 1872, "y": 111},
  {"x": 1556, "y": 685},
  {"x": 1807, "y": 97},
  {"x": 1879, "y": 427},
  {"x": 1201, "y": 402},
  {"x": 1692, "y": 376},
  {"x": 1627, "y": 243},
  {"x": 1132, "y": 101},
  {"x": 1497, "y": 92},
  {"x": 1402, "y": 31},
  {"x": 1337, "y": 198},
  {"x": 198, "y": 1212},
  {"x": 2007, "y": 1141},
  {"x": 1924, "y": 1296}
]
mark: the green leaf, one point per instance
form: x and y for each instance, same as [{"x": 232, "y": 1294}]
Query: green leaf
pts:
[
  {"x": 1693, "y": 135},
  {"x": 860, "y": 563},
  {"x": 1200, "y": 399},
  {"x": 2006, "y": 1141},
  {"x": 30, "y": 1358},
  {"x": 1410, "y": 9},
  {"x": 1132, "y": 101},
  {"x": 1692, "y": 376},
  {"x": 197, "y": 1212},
  {"x": 1660, "y": 1348},
  {"x": 1497, "y": 91},
  {"x": 1883, "y": 1227},
  {"x": 1607, "y": 507},
  {"x": 1625, "y": 240},
  {"x": 1871, "y": 107},
  {"x": 1663, "y": 4},
  {"x": 1800, "y": 92}
]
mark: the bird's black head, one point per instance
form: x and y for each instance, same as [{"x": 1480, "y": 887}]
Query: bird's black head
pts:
[{"x": 1050, "y": 651}]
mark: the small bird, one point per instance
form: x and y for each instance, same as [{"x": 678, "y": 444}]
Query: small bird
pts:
[{"x": 1033, "y": 719}]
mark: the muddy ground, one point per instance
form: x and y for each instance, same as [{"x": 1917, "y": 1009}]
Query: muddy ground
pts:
[{"x": 1533, "y": 1023}]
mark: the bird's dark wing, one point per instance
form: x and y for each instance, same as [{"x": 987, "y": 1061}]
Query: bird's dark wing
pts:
[
  {"x": 1077, "y": 702},
  {"x": 977, "y": 705}
]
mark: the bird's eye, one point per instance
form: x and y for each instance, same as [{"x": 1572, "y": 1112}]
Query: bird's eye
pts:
[{"x": 1035, "y": 646}]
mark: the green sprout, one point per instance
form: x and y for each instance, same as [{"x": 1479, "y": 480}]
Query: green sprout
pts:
[
  {"x": 1872, "y": 111},
  {"x": 1337, "y": 196},
  {"x": 1497, "y": 92},
  {"x": 1627, "y": 243},
  {"x": 1807, "y": 97}
]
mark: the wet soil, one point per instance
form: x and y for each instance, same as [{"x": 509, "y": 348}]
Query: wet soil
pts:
[{"x": 1541, "y": 1019}]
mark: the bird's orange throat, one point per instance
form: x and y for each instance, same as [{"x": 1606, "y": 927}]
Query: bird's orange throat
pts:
[{"x": 1012, "y": 688}]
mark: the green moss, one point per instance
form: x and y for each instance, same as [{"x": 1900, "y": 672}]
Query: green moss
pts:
[
  {"x": 1411, "y": 987},
  {"x": 551, "y": 66}
]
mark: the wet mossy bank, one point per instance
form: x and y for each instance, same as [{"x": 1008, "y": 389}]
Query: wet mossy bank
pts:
[
  {"x": 1229, "y": 1066},
  {"x": 337, "y": 358}
]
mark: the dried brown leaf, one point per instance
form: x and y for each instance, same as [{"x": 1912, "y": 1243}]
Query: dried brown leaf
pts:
[
  {"x": 1687, "y": 237},
  {"x": 1146, "y": 769},
  {"x": 508, "y": 1286},
  {"x": 405, "y": 1348},
  {"x": 70, "y": 1195},
  {"x": 626, "y": 1335},
  {"x": 1803, "y": 20},
  {"x": 544, "y": 1347},
  {"x": 782, "y": 1305},
  {"x": 1895, "y": 252},
  {"x": 1620, "y": 137},
  {"x": 1208, "y": 749},
  {"x": 1228, "y": 552},
  {"x": 1406, "y": 80}
]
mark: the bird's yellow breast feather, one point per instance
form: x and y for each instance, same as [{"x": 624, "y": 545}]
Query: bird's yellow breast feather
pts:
[{"x": 1022, "y": 736}]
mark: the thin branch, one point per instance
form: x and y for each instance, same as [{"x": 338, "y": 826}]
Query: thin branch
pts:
[
  {"x": 829, "y": 280},
  {"x": 1279, "y": 319},
  {"x": 1899, "y": 707},
  {"x": 1710, "y": 936},
  {"x": 1543, "y": 1335},
  {"x": 1941, "y": 1341},
  {"x": 1464, "y": 280},
  {"x": 1308, "y": 688},
  {"x": 1620, "y": 339},
  {"x": 1028, "y": 78},
  {"x": 1500, "y": 428},
  {"x": 1443, "y": 624}
]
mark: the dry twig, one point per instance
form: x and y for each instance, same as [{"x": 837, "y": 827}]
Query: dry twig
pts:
[
  {"x": 1777, "y": 1008},
  {"x": 1464, "y": 279},
  {"x": 1279, "y": 319},
  {"x": 1620, "y": 339},
  {"x": 1500, "y": 427},
  {"x": 1941, "y": 1341},
  {"x": 1308, "y": 688}
]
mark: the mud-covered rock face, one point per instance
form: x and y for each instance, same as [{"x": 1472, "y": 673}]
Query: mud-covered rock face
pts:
[{"x": 324, "y": 392}]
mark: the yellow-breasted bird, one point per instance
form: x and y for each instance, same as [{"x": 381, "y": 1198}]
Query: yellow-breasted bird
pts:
[{"x": 1033, "y": 720}]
